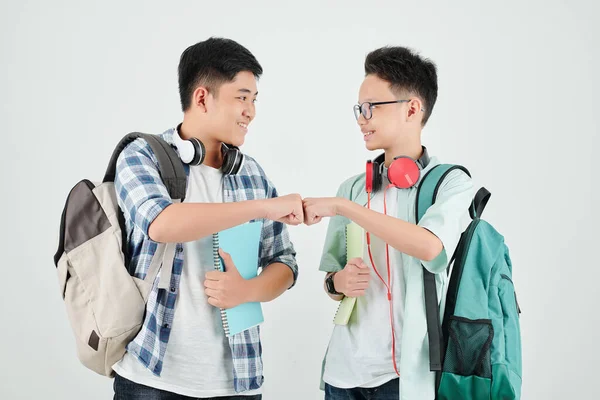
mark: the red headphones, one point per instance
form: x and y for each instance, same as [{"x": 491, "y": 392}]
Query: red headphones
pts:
[{"x": 403, "y": 173}]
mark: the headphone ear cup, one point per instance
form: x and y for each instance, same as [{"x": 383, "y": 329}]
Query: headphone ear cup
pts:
[
  {"x": 404, "y": 172},
  {"x": 233, "y": 160},
  {"x": 199, "y": 151},
  {"x": 239, "y": 162},
  {"x": 376, "y": 177},
  {"x": 369, "y": 177}
]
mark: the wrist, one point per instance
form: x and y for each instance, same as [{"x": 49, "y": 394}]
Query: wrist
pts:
[
  {"x": 261, "y": 208},
  {"x": 331, "y": 286},
  {"x": 341, "y": 206},
  {"x": 248, "y": 291}
]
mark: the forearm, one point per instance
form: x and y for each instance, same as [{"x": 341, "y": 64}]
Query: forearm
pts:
[
  {"x": 272, "y": 282},
  {"x": 185, "y": 222},
  {"x": 408, "y": 238}
]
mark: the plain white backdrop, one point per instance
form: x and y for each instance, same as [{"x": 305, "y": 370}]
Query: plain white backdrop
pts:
[{"x": 517, "y": 106}]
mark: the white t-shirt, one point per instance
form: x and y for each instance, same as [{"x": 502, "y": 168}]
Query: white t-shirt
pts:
[
  {"x": 198, "y": 361},
  {"x": 360, "y": 353}
]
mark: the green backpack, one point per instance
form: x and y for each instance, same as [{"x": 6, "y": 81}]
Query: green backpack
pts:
[{"x": 475, "y": 349}]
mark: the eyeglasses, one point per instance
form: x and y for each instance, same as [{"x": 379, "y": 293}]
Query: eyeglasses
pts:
[{"x": 366, "y": 108}]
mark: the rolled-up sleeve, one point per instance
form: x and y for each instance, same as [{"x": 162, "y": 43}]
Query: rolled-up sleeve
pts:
[
  {"x": 141, "y": 193},
  {"x": 448, "y": 217},
  {"x": 276, "y": 246}
]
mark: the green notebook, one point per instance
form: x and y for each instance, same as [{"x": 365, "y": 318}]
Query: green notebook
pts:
[{"x": 355, "y": 236}]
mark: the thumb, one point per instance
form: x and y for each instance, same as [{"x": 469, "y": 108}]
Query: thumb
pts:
[
  {"x": 358, "y": 262},
  {"x": 227, "y": 261}
]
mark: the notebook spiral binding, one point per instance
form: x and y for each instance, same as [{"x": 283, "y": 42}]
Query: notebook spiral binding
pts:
[
  {"x": 346, "y": 305},
  {"x": 340, "y": 304},
  {"x": 217, "y": 264},
  {"x": 337, "y": 311}
]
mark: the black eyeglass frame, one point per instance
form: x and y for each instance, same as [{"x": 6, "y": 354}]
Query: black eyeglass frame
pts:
[{"x": 358, "y": 108}]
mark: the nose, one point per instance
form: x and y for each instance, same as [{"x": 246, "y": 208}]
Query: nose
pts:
[
  {"x": 361, "y": 121},
  {"x": 249, "y": 112}
]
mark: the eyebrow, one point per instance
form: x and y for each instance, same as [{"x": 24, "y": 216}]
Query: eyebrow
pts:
[{"x": 247, "y": 91}]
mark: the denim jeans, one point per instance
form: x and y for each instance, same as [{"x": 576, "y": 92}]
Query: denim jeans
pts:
[
  {"x": 128, "y": 390},
  {"x": 387, "y": 391}
]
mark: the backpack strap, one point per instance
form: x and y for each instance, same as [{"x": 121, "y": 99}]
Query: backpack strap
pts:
[
  {"x": 170, "y": 166},
  {"x": 479, "y": 202},
  {"x": 426, "y": 195},
  {"x": 430, "y": 185},
  {"x": 174, "y": 178}
]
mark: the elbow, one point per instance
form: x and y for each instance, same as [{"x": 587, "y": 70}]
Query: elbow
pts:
[
  {"x": 433, "y": 250},
  {"x": 156, "y": 232},
  {"x": 158, "y": 229}
]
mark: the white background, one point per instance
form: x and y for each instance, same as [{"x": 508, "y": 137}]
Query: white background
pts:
[{"x": 517, "y": 106}]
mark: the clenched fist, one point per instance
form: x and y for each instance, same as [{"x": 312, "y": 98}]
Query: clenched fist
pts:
[
  {"x": 287, "y": 209},
  {"x": 317, "y": 208}
]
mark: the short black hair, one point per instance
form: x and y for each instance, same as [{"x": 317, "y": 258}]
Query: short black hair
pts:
[
  {"x": 406, "y": 71},
  {"x": 211, "y": 63}
]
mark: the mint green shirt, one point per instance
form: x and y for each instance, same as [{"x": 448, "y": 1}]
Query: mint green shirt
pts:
[{"x": 446, "y": 219}]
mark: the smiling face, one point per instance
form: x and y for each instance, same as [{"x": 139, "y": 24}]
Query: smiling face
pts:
[
  {"x": 401, "y": 76},
  {"x": 232, "y": 108},
  {"x": 389, "y": 123},
  {"x": 217, "y": 89}
]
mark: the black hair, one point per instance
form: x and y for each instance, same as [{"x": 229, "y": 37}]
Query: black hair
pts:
[
  {"x": 406, "y": 71},
  {"x": 211, "y": 63}
]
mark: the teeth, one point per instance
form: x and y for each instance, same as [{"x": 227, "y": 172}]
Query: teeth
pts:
[
  {"x": 242, "y": 125},
  {"x": 368, "y": 133}
]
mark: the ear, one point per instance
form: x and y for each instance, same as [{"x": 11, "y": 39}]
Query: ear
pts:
[
  {"x": 415, "y": 109},
  {"x": 199, "y": 98}
]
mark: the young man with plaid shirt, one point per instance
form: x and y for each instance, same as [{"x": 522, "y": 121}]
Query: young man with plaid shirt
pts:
[{"x": 181, "y": 352}]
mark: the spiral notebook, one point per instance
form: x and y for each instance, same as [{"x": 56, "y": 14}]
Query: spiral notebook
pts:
[
  {"x": 242, "y": 243},
  {"x": 355, "y": 235}
]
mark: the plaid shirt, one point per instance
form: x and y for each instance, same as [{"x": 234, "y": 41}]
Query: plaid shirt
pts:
[{"x": 142, "y": 196}]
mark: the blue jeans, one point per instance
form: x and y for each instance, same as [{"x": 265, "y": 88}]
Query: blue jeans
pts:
[
  {"x": 128, "y": 390},
  {"x": 387, "y": 391}
]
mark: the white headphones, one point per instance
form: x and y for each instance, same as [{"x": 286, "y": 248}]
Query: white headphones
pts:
[{"x": 192, "y": 152}]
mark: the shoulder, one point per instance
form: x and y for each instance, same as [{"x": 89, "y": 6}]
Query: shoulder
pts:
[
  {"x": 456, "y": 181},
  {"x": 140, "y": 149},
  {"x": 253, "y": 175},
  {"x": 352, "y": 186},
  {"x": 135, "y": 154},
  {"x": 251, "y": 166}
]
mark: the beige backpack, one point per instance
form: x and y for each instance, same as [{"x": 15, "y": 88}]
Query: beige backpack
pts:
[{"x": 105, "y": 304}]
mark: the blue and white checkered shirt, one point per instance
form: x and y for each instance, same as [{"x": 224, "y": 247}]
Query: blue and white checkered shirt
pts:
[{"x": 142, "y": 196}]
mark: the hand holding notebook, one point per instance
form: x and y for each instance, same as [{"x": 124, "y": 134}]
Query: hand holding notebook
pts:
[
  {"x": 242, "y": 244},
  {"x": 354, "y": 249},
  {"x": 226, "y": 288}
]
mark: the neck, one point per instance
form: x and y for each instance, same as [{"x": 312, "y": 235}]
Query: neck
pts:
[
  {"x": 191, "y": 128},
  {"x": 412, "y": 149}
]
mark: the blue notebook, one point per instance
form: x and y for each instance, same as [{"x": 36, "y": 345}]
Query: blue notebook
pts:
[{"x": 242, "y": 243}]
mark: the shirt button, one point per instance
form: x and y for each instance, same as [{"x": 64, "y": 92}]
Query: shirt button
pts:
[{"x": 173, "y": 289}]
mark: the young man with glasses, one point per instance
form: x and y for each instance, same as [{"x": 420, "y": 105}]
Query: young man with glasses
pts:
[{"x": 383, "y": 350}]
